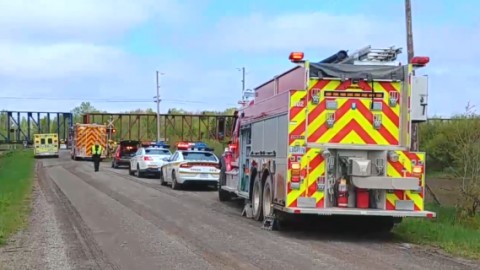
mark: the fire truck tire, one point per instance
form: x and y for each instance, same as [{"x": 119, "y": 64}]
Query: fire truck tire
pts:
[
  {"x": 257, "y": 199},
  {"x": 267, "y": 197},
  {"x": 175, "y": 184},
  {"x": 224, "y": 195},
  {"x": 385, "y": 225}
]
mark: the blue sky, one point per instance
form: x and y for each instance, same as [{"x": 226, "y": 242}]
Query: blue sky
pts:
[{"x": 107, "y": 51}]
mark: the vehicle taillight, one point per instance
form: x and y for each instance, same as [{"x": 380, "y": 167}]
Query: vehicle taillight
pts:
[
  {"x": 147, "y": 158},
  {"x": 185, "y": 165},
  {"x": 295, "y": 172},
  {"x": 117, "y": 155},
  {"x": 417, "y": 171}
]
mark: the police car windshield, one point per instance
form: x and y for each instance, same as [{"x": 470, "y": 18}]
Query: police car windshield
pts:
[
  {"x": 203, "y": 156},
  {"x": 162, "y": 152}
]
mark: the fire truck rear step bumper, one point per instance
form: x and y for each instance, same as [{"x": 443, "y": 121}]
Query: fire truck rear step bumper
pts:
[{"x": 355, "y": 212}]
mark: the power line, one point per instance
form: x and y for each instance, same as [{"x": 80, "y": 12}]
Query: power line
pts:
[{"x": 181, "y": 101}]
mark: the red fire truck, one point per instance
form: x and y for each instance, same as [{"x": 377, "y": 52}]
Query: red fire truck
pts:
[{"x": 331, "y": 138}]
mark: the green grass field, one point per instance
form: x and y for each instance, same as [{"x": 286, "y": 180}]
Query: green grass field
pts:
[
  {"x": 16, "y": 174},
  {"x": 461, "y": 238}
]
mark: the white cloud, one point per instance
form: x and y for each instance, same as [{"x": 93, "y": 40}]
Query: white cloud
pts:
[
  {"x": 56, "y": 47},
  {"x": 80, "y": 19},
  {"x": 22, "y": 61},
  {"x": 317, "y": 30},
  {"x": 454, "y": 50},
  {"x": 53, "y": 48}
]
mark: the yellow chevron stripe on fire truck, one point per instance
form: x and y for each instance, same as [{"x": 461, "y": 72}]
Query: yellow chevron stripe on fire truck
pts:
[
  {"x": 359, "y": 137},
  {"x": 407, "y": 160},
  {"x": 309, "y": 187},
  {"x": 296, "y": 131},
  {"x": 297, "y": 117},
  {"x": 353, "y": 117},
  {"x": 88, "y": 136}
]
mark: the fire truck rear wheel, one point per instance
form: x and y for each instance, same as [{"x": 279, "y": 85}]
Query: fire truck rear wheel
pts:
[
  {"x": 267, "y": 197},
  {"x": 385, "y": 225},
  {"x": 257, "y": 199},
  {"x": 224, "y": 195}
]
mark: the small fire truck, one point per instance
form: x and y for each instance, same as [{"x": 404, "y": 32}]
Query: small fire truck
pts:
[{"x": 331, "y": 138}]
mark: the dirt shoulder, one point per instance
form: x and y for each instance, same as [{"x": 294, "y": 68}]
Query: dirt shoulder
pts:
[
  {"x": 41, "y": 245},
  {"x": 56, "y": 237}
]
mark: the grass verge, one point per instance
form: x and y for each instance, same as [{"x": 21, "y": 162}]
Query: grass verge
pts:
[
  {"x": 16, "y": 174},
  {"x": 460, "y": 238}
]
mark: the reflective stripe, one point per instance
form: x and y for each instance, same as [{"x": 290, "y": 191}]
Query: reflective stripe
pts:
[
  {"x": 395, "y": 169},
  {"x": 312, "y": 162},
  {"x": 353, "y": 118},
  {"x": 89, "y": 136},
  {"x": 98, "y": 151}
]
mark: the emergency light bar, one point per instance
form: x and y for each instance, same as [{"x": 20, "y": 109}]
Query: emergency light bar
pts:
[
  {"x": 200, "y": 145},
  {"x": 296, "y": 56},
  {"x": 184, "y": 145},
  {"x": 145, "y": 143},
  {"x": 160, "y": 144},
  {"x": 420, "y": 61},
  {"x": 193, "y": 146}
]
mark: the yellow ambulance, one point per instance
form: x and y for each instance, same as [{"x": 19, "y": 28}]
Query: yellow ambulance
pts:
[{"x": 46, "y": 145}]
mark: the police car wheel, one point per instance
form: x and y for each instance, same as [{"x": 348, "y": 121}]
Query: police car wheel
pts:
[
  {"x": 162, "y": 180},
  {"x": 139, "y": 174},
  {"x": 175, "y": 184}
]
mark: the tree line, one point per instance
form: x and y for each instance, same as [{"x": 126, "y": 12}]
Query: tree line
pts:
[{"x": 453, "y": 150}]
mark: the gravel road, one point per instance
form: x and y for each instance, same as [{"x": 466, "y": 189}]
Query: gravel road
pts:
[{"x": 109, "y": 220}]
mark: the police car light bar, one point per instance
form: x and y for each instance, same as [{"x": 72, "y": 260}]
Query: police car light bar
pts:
[
  {"x": 200, "y": 145},
  {"x": 184, "y": 145},
  {"x": 160, "y": 144},
  {"x": 193, "y": 146}
]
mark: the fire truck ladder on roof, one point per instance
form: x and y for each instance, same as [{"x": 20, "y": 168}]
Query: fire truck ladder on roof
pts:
[{"x": 368, "y": 54}]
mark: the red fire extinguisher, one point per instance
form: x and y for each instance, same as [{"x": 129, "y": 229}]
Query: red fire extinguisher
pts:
[{"x": 342, "y": 195}]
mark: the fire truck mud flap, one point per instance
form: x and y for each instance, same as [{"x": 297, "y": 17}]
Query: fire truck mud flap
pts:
[{"x": 355, "y": 212}]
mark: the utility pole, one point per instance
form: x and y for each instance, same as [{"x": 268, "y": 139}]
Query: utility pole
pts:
[
  {"x": 158, "y": 100},
  {"x": 408, "y": 19},
  {"x": 243, "y": 82}
]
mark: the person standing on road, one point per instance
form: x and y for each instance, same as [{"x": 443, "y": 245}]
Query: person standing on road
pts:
[{"x": 96, "y": 154}]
